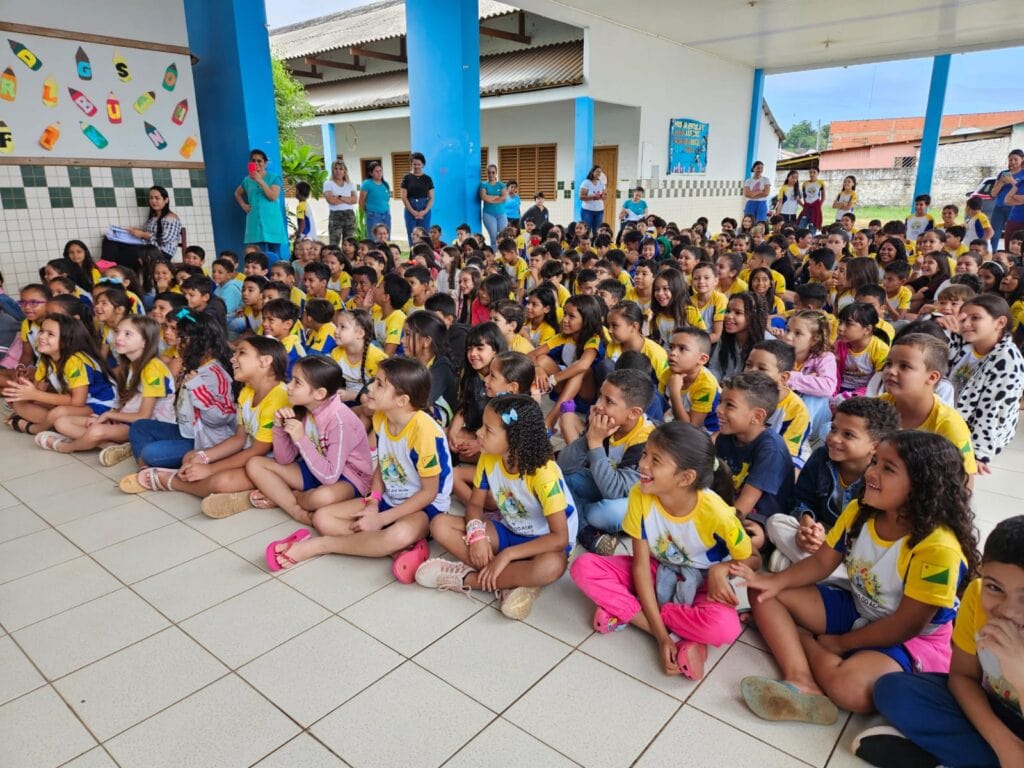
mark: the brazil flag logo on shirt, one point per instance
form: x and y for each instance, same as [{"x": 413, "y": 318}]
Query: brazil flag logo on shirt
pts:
[{"x": 935, "y": 574}]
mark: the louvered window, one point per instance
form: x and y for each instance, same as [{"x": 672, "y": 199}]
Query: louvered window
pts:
[
  {"x": 400, "y": 166},
  {"x": 532, "y": 165}
]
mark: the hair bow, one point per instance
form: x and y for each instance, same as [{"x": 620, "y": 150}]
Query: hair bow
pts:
[
  {"x": 185, "y": 314},
  {"x": 511, "y": 417}
]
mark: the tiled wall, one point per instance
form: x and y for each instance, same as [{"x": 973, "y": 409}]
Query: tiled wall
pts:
[{"x": 44, "y": 206}]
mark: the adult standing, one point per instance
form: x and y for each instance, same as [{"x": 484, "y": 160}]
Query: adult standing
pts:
[
  {"x": 592, "y": 197},
  {"x": 493, "y": 195},
  {"x": 1004, "y": 181},
  {"x": 341, "y": 197},
  {"x": 513, "y": 203},
  {"x": 537, "y": 213},
  {"x": 755, "y": 193},
  {"x": 417, "y": 195},
  {"x": 1015, "y": 198},
  {"x": 162, "y": 229},
  {"x": 375, "y": 199},
  {"x": 258, "y": 195}
]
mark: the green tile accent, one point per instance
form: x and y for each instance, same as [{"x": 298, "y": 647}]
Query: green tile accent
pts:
[
  {"x": 104, "y": 197},
  {"x": 123, "y": 177},
  {"x": 33, "y": 175},
  {"x": 182, "y": 197},
  {"x": 13, "y": 198},
  {"x": 80, "y": 176},
  {"x": 561, "y": 186},
  {"x": 197, "y": 177},
  {"x": 162, "y": 177},
  {"x": 142, "y": 197},
  {"x": 60, "y": 197}
]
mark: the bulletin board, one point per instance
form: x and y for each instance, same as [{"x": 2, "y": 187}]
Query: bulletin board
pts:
[
  {"x": 66, "y": 100},
  {"x": 687, "y": 146}
]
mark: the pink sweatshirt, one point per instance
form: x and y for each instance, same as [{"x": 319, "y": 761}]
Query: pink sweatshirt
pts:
[
  {"x": 818, "y": 377},
  {"x": 341, "y": 447}
]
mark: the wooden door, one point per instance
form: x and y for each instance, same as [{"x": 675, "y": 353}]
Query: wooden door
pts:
[{"x": 608, "y": 159}]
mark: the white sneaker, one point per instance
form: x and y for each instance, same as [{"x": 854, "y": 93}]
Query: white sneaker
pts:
[
  {"x": 778, "y": 562},
  {"x": 448, "y": 575},
  {"x": 517, "y": 603}
]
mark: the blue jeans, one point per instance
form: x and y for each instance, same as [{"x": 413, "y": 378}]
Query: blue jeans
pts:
[
  {"x": 372, "y": 219},
  {"x": 821, "y": 417},
  {"x": 494, "y": 225},
  {"x": 921, "y": 707},
  {"x": 273, "y": 251},
  {"x": 999, "y": 214},
  {"x": 417, "y": 204},
  {"x": 592, "y": 219},
  {"x": 158, "y": 443},
  {"x": 595, "y": 510}
]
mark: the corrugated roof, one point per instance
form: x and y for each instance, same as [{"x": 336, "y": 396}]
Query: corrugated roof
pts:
[
  {"x": 378, "y": 21},
  {"x": 532, "y": 69}
]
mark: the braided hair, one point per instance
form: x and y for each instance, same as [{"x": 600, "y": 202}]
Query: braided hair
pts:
[{"x": 528, "y": 445}]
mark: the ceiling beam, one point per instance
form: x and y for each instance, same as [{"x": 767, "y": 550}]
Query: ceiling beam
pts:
[
  {"x": 353, "y": 67},
  {"x": 518, "y": 37},
  {"x": 399, "y": 57},
  {"x": 311, "y": 74}
]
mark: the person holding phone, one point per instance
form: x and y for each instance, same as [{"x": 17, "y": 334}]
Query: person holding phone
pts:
[
  {"x": 258, "y": 195},
  {"x": 1005, "y": 181}
]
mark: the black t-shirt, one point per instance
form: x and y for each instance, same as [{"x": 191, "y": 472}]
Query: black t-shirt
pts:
[
  {"x": 417, "y": 186},
  {"x": 539, "y": 216}
]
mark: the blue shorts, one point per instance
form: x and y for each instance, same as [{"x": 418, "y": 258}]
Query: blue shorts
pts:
[
  {"x": 840, "y": 615},
  {"x": 309, "y": 481},
  {"x": 756, "y": 208},
  {"x": 506, "y": 538},
  {"x": 430, "y": 509}
]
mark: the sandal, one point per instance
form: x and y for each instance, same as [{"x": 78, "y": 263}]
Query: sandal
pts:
[
  {"x": 113, "y": 455},
  {"x": 779, "y": 700},
  {"x": 274, "y": 557},
  {"x": 690, "y": 658},
  {"x": 48, "y": 440},
  {"x": 408, "y": 560},
  {"x": 130, "y": 483},
  {"x": 18, "y": 424},
  {"x": 220, "y": 505},
  {"x": 258, "y": 500},
  {"x": 156, "y": 483}
]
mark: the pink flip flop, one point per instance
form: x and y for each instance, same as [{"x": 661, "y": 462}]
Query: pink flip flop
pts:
[
  {"x": 691, "y": 658},
  {"x": 259, "y": 501},
  {"x": 274, "y": 557},
  {"x": 408, "y": 560}
]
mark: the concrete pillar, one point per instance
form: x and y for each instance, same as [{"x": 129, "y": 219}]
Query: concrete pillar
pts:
[
  {"x": 754, "y": 131},
  {"x": 443, "y": 51},
  {"x": 330, "y": 146},
  {"x": 235, "y": 99},
  {"x": 583, "y": 151},
  {"x": 932, "y": 127}
]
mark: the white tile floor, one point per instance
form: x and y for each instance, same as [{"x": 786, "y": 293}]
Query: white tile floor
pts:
[{"x": 136, "y": 632}]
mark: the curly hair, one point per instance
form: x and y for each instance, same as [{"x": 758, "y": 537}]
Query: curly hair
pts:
[
  {"x": 200, "y": 338},
  {"x": 939, "y": 493},
  {"x": 528, "y": 445}
]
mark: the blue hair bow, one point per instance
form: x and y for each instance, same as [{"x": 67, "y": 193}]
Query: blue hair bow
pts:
[
  {"x": 511, "y": 417},
  {"x": 185, "y": 314}
]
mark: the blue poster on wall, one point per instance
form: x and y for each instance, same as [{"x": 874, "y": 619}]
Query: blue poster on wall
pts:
[{"x": 687, "y": 146}]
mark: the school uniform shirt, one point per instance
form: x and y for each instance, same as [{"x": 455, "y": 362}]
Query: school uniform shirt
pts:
[
  {"x": 944, "y": 420},
  {"x": 901, "y": 301},
  {"x": 321, "y": 340},
  {"x": 562, "y": 349},
  {"x": 710, "y": 533},
  {"x": 792, "y": 420},
  {"x": 813, "y": 191},
  {"x": 563, "y": 296},
  {"x": 665, "y": 324},
  {"x": 331, "y": 296},
  {"x": 713, "y": 311},
  {"x": 304, "y": 216},
  {"x": 343, "y": 282},
  {"x": 388, "y": 330},
  {"x": 419, "y": 450},
  {"x": 738, "y": 286},
  {"x": 253, "y": 319},
  {"x": 155, "y": 380},
  {"x": 515, "y": 272},
  {"x": 976, "y": 226},
  {"x": 970, "y": 619},
  {"x": 257, "y": 419},
  {"x": 918, "y": 225},
  {"x": 765, "y": 464},
  {"x": 520, "y": 344},
  {"x": 409, "y": 308},
  {"x": 701, "y": 396},
  {"x": 80, "y": 370},
  {"x": 29, "y": 335},
  {"x": 358, "y": 373},
  {"x": 650, "y": 349},
  {"x": 293, "y": 346},
  {"x": 625, "y": 281},
  {"x": 886, "y": 327},
  {"x": 790, "y": 200},
  {"x": 847, "y": 201},
  {"x": 297, "y": 297},
  {"x": 525, "y": 502},
  {"x": 883, "y": 572},
  {"x": 778, "y": 280},
  {"x": 540, "y": 335},
  {"x": 859, "y": 367}
]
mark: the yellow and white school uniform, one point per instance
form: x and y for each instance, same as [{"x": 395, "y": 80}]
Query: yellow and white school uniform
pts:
[
  {"x": 701, "y": 396},
  {"x": 650, "y": 349},
  {"x": 883, "y": 572},
  {"x": 859, "y": 367},
  {"x": 515, "y": 272},
  {"x": 792, "y": 420},
  {"x": 30, "y": 335},
  {"x": 712, "y": 311},
  {"x": 419, "y": 450},
  {"x": 970, "y": 618},
  {"x": 665, "y": 324},
  {"x": 918, "y": 225},
  {"x": 738, "y": 286},
  {"x": 320, "y": 341},
  {"x": 846, "y": 201},
  {"x": 520, "y": 344},
  {"x": 710, "y": 533},
  {"x": 976, "y": 226},
  {"x": 525, "y": 502},
  {"x": 359, "y": 372},
  {"x": 79, "y": 371},
  {"x": 944, "y": 420},
  {"x": 813, "y": 191},
  {"x": 901, "y": 301},
  {"x": 340, "y": 284},
  {"x": 156, "y": 381},
  {"x": 297, "y": 297},
  {"x": 625, "y": 280},
  {"x": 540, "y": 335},
  {"x": 778, "y": 281},
  {"x": 257, "y": 419},
  {"x": 388, "y": 330}
]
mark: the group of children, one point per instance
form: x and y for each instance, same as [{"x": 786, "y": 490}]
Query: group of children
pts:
[{"x": 765, "y": 420}]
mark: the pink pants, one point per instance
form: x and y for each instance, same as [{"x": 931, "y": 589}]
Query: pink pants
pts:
[{"x": 608, "y": 581}]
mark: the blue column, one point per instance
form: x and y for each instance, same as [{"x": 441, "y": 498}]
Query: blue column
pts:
[
  {"x": 235, "y": 100},
  {"x": 330, "y": 145},
  {"x": 754, "y": 132},
  {"x": 443, "y": 49},
  {"x": 932, "y": 126},
  {"x": 583, "y": 151}
]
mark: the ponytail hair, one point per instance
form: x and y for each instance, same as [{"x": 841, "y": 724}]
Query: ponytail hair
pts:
[
  {"x": 527, "y": 434},
  {"x": 691, "y": 448}
]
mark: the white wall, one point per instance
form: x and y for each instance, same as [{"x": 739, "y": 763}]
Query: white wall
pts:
[
  {"x": 157, "y": 21},
  {"x": 767, "y": 146}
]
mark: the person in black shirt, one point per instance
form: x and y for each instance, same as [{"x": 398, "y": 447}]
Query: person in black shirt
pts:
[
  {"x": 536, "y": 213},
  {"x": 417, "y": 195}
]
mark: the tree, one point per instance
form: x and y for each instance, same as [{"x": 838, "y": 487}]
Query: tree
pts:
[
  {"x": 804, "y": 136},
  {"x": 290, "y": 100}
]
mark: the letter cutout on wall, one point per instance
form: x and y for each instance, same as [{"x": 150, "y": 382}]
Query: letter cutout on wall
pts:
[
  {"x": 82, "y": 101},
  {"x": 8, "y": 85},
  {"x": 83, "y": 65},
  {"x": 171, "y": 77},
  {"x": 94, "y": 135},
  {"x": 50, "y": 92},
  {"x": 113, "y": 109},
  {"x": 29, "y": 59},
  {"x": 6, "y": 139},
  {"x": 50, "y": 135},
  {"x": 121, "y": 67}
]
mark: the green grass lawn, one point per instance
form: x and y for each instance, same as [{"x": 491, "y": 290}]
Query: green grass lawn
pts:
[{"x": 887, "y": 213}]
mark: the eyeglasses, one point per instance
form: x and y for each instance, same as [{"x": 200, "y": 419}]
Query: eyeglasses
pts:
[{"x": 31, "y": 302}]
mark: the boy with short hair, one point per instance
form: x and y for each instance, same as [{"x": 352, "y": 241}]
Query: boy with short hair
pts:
[
  {"x": 419, "y": 289},
  {"x": 513, "y": 266},
  {"x": 509, "y": 317},
  {"x": 972, "y": 716},
  {"x": 227, "y": 289},
  {"x": 791, "y": 419},
  {"x": 553, "y": 272},
  {"x": 318, "y": 330},
  {"x": 283, "y": 272},
  {"x": 256, "y": 263},
  {"x": 305, "y": 226},
  {"x": 279, "y": 322},
  {"x": 897, "y": 292},
  {"x": 600, "y": 466},
  {"x": 611, "y": 292},
  {"x": 831, "y": 478},
  {"x": 916, "y": 364},
  {"x": 199, "y": 293},
  {"x": 875, "y": 296},
  {"x": 955, "y": 241},
  {"x": 586, "y": 282},
  {"x": 949, "y": 214},
  {"x": 315, "y": 279},
  {"x": 363, "y": 281},
  {"x": 976, "y": 223},
  {"x": 194, "y": 256},
  {"x": 617, "y": 261},
  {"x": 950, "y": 299},
  {"x": 820, "y": 263},
  {"x": 920, "y": 221},
  {"x": 388, "y": 318},
  {"x": 757, "y": 456},
  {"x": 689, "y": 386}
]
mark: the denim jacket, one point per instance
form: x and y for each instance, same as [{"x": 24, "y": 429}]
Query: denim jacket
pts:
[{"x": 814, "y": 493}]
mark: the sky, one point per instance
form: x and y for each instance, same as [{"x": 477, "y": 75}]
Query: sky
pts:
[{"x": 978, "y": 82}]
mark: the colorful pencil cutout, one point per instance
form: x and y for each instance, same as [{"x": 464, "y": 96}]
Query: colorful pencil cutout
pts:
[
  {"x": 83, "y": 102},
  {"x": 28, "y": 58},
  {"x": 8, "y": 85},
  {"x": 93, "y": 135},
  {"x": 113, "y": 109},
  {"x": 180, "y": 112},
  {"x": 50, "y": 135},
  {"x": 155, "y": 136},
  {"x": 188, "y": 147},
  {"x": 171, "y": 77},
  {"x": 145, "y": 101},
  {"x": 6, "y": 139},
  {"x": 83, "y": 65},
  {"x": 121, "y": 68},
  {"x": 50, "y": 92}
]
